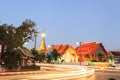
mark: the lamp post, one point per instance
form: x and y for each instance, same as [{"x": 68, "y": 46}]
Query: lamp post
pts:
[
  {"x": 79, "y": 43},
  {"x": 43, "y": 34},
  {"x": 80, "y": 57},
  {"x": 35, "y": 35}
]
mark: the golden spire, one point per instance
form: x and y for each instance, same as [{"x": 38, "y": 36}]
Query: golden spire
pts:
[{"x": 43, "y": 44}]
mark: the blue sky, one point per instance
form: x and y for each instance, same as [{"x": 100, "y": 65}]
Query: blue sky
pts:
[{"x": 67, "y": 21}]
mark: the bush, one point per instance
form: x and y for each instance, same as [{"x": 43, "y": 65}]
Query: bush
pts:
[
  {"x": 32, "y": 67},
  {"x": 94, "y": 60},
  {"x": 113, "y": 65},
  {"x": 91, "y": 64}
]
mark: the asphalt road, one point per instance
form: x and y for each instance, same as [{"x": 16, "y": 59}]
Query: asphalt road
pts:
[
  {"x": 50, "y": 72},
  {"x": 54, "y": 75},
  {"x": 63, "y": 73}
]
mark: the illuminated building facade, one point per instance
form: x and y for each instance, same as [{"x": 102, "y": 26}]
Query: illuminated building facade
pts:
[
  {"x": 90, "y": 48},
  {"x": 67, "y": 52}
]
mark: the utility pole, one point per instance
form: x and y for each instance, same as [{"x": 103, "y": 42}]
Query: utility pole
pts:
[{"x": 35, "y": 35}]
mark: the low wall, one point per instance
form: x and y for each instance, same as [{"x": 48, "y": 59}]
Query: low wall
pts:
[{"x": 100, "y": 64}]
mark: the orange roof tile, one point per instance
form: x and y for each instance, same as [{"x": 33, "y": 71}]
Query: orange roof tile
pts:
[
  {"x": 88, "y": 48},
  {"x": 60, "y": 48}
]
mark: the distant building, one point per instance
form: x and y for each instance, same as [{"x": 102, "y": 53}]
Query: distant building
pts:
[
  {"x": 116, "y": 54},
  {"x": 90, "y": 48},
  {"x": 67, "y": 52}
]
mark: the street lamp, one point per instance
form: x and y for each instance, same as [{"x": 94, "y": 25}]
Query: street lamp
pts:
[
  {"x": 35, "y": 35},
  {"x": 43, "y": 34},
  {"x": 79, "y": 43}
]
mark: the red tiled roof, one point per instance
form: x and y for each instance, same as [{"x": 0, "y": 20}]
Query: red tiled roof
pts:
[
  {"x": 88, "y": 48},
  {"x": 57, "y": 47},
  {"x": 60, "y": 48}
]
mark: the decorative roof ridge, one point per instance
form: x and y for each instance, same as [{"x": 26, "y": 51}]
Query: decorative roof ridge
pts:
[
  {"x": 23, "y": 50},
  {"x": 19, "y": 48},
  {"x": 60, "y": 47},
  {"x": 115, "y": 51},
  {"x": 66, "y": 46},
  {"x": 89, "y": 42}
]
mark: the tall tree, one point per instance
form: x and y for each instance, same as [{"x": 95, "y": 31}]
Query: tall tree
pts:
[
  {"x": 15, "y": 37},
  {"x": 55, "y": 54},
  {"x": 52, "y": 55},
  {"x": 42, "y": 57},
  {"x": 39, "y": 56}
]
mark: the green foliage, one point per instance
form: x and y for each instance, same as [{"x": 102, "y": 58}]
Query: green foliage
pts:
[
  {"x": 94, "y": 60},
  {"x": 49, "y": 56},
  {"x": 15, "y": 37},
  {"x": 55, "y": 54},
  {"x": 42, "y": 57},
  {"x": 7, "y": 35},
  {"x": 24, "y": 32},
  {"x": 52, "y": 55},
  {"x": 34, "y": 51},
  {"x": 100, "y": 56},
  {"x": 11, "y": 59},
  {"x": 39, "y": 56},
  {"x": 91, "y": 64},
  {"x": 110, "y": 57}
]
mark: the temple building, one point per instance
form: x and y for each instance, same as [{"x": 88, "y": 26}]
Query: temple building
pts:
[
  {"x": 43, "y": 44},
  {"x": 67, "y": 52},
  {"x": 91, "y": 48},
  {"x": 26, "y": 57},
  {"x": 116, "y": 55}
]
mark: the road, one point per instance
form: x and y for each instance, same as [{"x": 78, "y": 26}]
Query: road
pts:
[
  {"x": 63, "y": 73},
  {"x": 54, "y": 75},
  {"x": 52, "y": 72}
]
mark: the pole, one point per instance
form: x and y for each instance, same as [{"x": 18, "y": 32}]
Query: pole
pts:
[
  {"x": 35, "y": 35},
  {"x": 35, "y": 43}
]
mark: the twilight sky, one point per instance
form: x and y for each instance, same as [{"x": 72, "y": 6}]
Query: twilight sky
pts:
[{"x": 67, "y": 21}]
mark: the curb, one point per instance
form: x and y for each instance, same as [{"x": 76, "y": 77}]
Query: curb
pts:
[{"x": 19, "y": 73}]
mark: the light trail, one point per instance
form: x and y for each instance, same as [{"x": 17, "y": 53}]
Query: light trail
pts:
[{"x": 74, "y": 72}]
